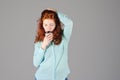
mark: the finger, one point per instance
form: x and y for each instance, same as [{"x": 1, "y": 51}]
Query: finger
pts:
[
  {"x": 47, "y": 34},
  {"x": 50, "y": 35},
  {"x": 51, "y": 9},
  {"x": 50, "y": 39}
]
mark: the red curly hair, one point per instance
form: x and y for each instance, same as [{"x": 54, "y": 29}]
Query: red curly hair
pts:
[{"x": 57, "y": 32}]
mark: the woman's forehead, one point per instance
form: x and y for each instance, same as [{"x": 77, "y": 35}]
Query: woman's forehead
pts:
[{"x": 48, "y": 21}]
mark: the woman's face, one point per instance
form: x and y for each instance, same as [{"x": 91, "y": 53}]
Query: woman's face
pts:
[{"x": 48, "y": 24}]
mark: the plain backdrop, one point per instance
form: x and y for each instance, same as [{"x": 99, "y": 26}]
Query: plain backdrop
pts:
[{"x": 94, "y": 49}]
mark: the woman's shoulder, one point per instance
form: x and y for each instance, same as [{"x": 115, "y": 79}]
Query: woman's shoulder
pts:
[{"x": 37, "y": 43}]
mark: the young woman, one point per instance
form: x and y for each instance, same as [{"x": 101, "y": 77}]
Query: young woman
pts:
[{"x": 51, "y": 45}]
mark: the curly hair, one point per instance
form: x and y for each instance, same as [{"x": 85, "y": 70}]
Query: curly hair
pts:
[{"x": 57, "y": 32}]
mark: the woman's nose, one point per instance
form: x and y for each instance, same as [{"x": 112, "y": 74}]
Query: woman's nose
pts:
[{"x": 49, "y": 27}]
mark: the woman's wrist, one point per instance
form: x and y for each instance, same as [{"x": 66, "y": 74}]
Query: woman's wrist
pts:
[{"x": 43, "y": 46}]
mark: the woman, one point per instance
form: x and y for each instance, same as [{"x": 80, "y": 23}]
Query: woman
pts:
[{"x": 51, "y": 44}]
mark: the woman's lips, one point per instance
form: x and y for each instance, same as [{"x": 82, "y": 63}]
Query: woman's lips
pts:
[{"x": 48, "y": 32}]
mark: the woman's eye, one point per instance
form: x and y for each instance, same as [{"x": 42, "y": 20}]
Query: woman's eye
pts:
[
  {"x": 51, "y": 24},
  {"x": 45, "y": 25}
]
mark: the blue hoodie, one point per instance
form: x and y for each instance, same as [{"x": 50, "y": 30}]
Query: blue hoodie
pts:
[{"x": 52, "y": 63}]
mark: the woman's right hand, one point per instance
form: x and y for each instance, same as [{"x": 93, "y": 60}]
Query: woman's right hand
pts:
[
  {"x": 47, "y": 40},
  {"x": 52, "y": 9}
]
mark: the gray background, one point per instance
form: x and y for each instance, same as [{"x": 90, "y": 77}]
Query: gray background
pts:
[{"x": 94, "y": 49}]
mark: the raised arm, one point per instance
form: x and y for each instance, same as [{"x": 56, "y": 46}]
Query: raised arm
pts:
[
  {"x": 38, "y": 54},
  {"x": 67, "y": 25}
]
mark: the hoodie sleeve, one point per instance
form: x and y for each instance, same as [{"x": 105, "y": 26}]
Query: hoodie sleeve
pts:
[
  {"x": 38, "y": 54},
  {"x": 67, "y": 25}
]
